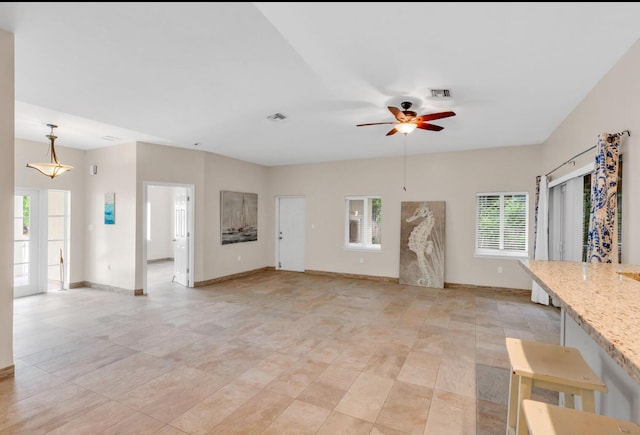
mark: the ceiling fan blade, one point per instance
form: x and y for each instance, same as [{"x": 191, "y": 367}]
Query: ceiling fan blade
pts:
[
  {"x": 375, "y": 123},
  {"x": 432, "y": 116},
  {"x": 425, "y": 126},
  {"x": 392, "y": 131},
  {"x": 397, "y": 113}
]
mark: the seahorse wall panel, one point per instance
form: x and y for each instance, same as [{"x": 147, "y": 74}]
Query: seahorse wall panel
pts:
[{"x": 422, "y": 243}]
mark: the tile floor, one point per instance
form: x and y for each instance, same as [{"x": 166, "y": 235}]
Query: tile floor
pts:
[{"x": 271, "y": 353}]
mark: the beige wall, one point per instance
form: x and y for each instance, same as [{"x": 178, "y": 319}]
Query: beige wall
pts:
[
  {"x": 223, "y": 173},
  {"x": 453, "y": 177},
  {"x": 73, "y": 181},
  {"x": 209, "y": 174},
  {"x": 612, "y": 106},
  {"x": 7, "y": 103},
  {"x": 110, "y": 250}
]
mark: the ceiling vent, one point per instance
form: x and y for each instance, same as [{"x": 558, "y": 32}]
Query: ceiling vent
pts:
[
  {"x": 440, "y": 93},
  {"x": 277, "y": 116},
  {"x": 111, "y": 138}
]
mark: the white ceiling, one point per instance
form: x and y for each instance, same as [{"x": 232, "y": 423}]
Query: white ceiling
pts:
[{"x": 212, "y": 72}]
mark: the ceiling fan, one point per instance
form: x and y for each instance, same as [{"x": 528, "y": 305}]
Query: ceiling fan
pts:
[{"x": 408, "y": 120}]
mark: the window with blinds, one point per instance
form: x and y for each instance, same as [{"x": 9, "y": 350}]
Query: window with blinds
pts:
[
  {"x": 363, "y": 222},
  {"x": 502, "y": 224}
]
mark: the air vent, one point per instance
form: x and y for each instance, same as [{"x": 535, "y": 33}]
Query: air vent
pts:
[
  {"x": 111, "y": 138},
  {"x": 440, "y": 93},
  {"x": 277, "y": 116}
]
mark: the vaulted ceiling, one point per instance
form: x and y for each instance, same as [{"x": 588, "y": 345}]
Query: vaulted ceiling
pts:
[{"x": 211, "y": 75}]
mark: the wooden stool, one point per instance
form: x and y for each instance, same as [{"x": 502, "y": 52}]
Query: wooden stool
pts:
[
  {"x": 552, "y": 367},
  {"x": 547, "y": 419}
]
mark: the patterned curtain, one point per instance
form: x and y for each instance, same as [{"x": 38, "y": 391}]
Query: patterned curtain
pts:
[
  {"x": 541, "y": 236},
  {"x": 602, "y": 239},
  {"x": 535, "y": 214}
]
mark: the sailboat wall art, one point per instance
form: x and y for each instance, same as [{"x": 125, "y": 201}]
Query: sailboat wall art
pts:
[{"x": 238, "y": 217}]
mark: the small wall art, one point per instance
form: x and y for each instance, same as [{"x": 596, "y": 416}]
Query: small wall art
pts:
[
  {"x": 238, "y": 217},
  {"x": 109, "y": 208},
  {"x": 422, "y": 244}
]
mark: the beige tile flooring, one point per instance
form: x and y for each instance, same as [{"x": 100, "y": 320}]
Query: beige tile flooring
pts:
[{"x": 271, "y": 353}]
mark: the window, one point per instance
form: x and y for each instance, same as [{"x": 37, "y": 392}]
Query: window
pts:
[
  {"x": 502, "y": 224},
  {"x": 363, "y": 222}
]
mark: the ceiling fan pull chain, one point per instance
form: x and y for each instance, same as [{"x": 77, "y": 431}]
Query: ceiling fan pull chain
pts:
[{"x": 404, "y": 182}]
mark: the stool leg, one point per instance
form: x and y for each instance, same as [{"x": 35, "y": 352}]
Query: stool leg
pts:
[
  {"x": 588, "y": 401},
  {"x": 512, "y": 408},
  {"x": 524, "y": 392}
]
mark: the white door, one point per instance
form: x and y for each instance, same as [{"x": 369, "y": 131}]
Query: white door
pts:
[
  {"x": 290, "y": 233},
  {"x": 181, "y": 238},
  {"x": 26, "y": 248}
]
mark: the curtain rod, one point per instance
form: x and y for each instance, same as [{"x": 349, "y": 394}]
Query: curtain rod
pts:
[{"x": 572, "y": 159}]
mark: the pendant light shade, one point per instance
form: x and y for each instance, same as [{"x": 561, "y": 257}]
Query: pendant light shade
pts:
[{"x": 53, "y": 168}]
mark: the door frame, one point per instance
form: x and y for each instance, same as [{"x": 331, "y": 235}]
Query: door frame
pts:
[
  {"x": 559, "y": 204},
  {"x": 277, "y": 225},
  {"x": 190, "y": 227}
]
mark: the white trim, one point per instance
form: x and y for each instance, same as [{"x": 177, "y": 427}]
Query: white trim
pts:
[
  {"x": 362, "y": 246},
  {"x": 586, "y": 169}
]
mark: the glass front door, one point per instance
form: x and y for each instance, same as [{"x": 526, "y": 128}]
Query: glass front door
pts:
[{"x": 26, "y": 277}]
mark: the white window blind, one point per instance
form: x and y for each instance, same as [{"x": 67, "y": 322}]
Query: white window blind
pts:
[{"x": 502, "y": 224}]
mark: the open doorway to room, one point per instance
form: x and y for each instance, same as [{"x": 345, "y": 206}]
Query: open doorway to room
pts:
[{"x": 168, "y": 231}]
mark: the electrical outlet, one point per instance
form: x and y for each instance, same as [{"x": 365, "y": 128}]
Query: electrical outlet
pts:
[
  {"x": 239, "y": 258},
  {"x": 500, "y": 269},
  {"x": 361, "y": 260}
]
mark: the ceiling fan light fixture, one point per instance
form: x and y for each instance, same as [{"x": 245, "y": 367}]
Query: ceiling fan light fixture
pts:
[
  {"x": 53, "y": 168},
  {"x": 406, "y": 127}
]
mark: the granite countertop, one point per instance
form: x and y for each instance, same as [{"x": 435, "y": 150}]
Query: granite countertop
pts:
[{"x": 600, "y": 297}]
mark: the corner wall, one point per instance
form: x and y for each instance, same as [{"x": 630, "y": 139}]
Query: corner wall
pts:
[
  {"x": 7, "y": 104},
  {"x": 110, "y": 250}
]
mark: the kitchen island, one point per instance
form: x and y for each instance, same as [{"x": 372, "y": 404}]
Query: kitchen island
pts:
[{"x": 600, "y": 315}]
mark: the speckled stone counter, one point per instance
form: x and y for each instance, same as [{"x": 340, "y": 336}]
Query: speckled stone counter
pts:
[{"x": 603, "y": 299}]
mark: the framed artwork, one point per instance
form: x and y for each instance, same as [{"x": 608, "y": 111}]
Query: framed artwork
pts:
[
  {"x": 238, "y": 217},
  {"x": 422, "y": 244},
  {"x": 109, "y": 208}
]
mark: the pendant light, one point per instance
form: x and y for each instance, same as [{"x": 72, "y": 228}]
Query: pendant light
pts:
[{"x": 54, "y": 168}]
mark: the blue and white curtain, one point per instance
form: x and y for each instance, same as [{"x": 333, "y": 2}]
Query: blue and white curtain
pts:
[
  {"x": 541, "y": 235},
  {"x": 603, "y": 237}
]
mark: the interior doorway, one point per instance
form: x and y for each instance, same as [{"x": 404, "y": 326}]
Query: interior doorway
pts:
[{"x": 168, "y": 230}]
